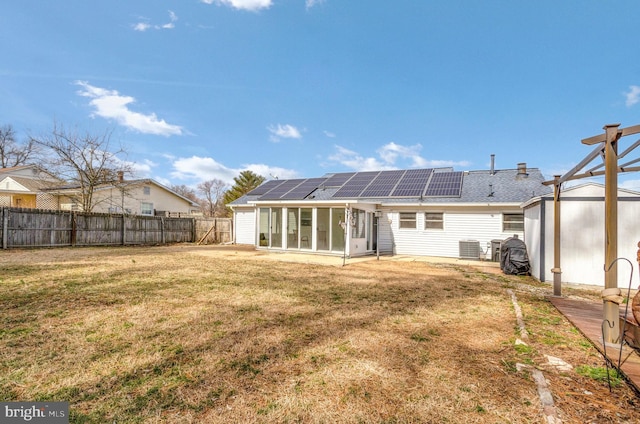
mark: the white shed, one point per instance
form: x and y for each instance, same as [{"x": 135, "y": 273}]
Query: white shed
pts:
[{"x": 582, "y": 250}]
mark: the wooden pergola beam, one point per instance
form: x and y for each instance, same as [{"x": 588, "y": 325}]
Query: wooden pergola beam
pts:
[{"x": 607, "y": 147}]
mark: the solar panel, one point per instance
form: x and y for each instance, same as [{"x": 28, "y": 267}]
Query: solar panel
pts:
[
  {"x": 445, "y": 184},
  {"x": 412, "y": 183},
  {"x": 264, "y": 188},
  {"x": 356, "y": 184},
  {"x": 281, "y": 190},
  {"x": 304, "y": 189},
  {"x": 383, "y": 184},
  {"x": 337, "y": 180}
]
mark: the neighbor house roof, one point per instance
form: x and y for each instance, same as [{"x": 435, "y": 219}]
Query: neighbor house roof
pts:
[
  {"x": 428, "y": 186},
  {"x": 31, "y": 184},
  {"x": 73, "y": 188}
]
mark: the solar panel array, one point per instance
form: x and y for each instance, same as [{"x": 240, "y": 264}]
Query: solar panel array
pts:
[
  {"x": 281, "y": 190},
  {"x": 304, "y": 189},
  {"x": 338, "y": 180},
  {"x": 445, "y": 184},
  {"x": 383, "y": 184},
  {"x": 356, "y": 184},
  {"x": 372, "y": 184},
  {"x": 264, "y": 188},
  {"x": 413, "y": 183}
]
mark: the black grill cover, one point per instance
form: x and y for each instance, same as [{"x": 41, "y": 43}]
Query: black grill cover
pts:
[{"x": 514, "y": 259}]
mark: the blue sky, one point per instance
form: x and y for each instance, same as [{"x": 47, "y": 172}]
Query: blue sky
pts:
[{"x": 202, "y": 89}]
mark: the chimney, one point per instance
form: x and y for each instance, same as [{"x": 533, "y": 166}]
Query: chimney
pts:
[
  {"x": 522, "y": 168},
  {"x": 120, "y": 176},
  {"x": 493, "y": 164}
]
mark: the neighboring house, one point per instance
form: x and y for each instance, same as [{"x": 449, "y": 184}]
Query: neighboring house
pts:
[
  {"x": 433, "y": 212},
  {"x": 582, "y": 234},
  {"x": 30, "y": 187},
  {"x": 136, "y": 197},
  {"x": 24, "y": 187}
]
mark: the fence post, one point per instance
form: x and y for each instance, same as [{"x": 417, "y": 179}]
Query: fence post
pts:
[
  {"x": 5, "y": 230},
  {"x": 74, "y": 228},
  {"x": 124, "y": 229},
  {"x": 163, "y": 237}
]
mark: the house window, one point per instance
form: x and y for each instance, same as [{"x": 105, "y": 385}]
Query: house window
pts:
[
  {"x": 146, "y": 190},
  {"x": 146, "y": 208},
  {"x": 433, "y": 221},
  {"x": 408, "y": 220},
  {"x": 512, "y": 222},
  {"x": 359, "y": 220}
]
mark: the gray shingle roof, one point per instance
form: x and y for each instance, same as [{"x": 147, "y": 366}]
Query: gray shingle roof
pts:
[{"x": 500, "y": 186}]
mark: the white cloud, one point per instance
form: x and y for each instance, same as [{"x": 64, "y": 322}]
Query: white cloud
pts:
[
  {"x": 329, "y": 134},
  {"x": 311, "y": 3},
  {"x": 283, "y": 131},
  {"x": 141, "y": 26},
  {"x": 631, "y": 185},
  {"x": 270, "y": 172},
  {"x": 633, "y": 95},
  {"x": 250, "y": 5},
  {"x": 391, "y": 151},
  {"x": 199, "y": 169},
  {"x": 143, "y": 168},
  {"x": 110, "y": 104},
  {"x": 355, "y": 161},
  {"x": 202, "y": 169},
  {"x": 391, "y": 156},
  {"x": 424, "y": 163},
  {"x": 144, "y": 26}
]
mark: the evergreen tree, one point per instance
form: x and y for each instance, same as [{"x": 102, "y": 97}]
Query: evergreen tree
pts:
[{"x": 243, "y": 183}]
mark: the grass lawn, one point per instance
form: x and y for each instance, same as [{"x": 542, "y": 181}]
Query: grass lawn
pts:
[{"x": 210, "y": 334}]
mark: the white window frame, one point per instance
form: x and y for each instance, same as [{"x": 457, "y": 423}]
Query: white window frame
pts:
[
  {"x": 439, "y": 220},
  {"x": 149, "y": 208},
  {"x": 407, "y": 223},
  {"x": 509, "y": 224},
  {"x": 146, "y": 190}
]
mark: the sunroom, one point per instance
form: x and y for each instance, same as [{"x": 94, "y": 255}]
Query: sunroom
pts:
[{"x": 328, "y": 228}]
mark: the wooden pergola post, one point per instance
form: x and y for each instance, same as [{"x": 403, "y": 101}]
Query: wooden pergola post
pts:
[
  {"x": 607, "y": 146},
  {"x": 557, "y": 272},
  {"x": 611, "y": 309}
]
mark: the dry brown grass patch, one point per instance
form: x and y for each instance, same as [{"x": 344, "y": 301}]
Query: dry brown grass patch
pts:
[{"x": 213, "y": 334}]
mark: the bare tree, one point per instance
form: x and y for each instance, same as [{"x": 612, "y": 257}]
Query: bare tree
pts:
[
  {"x": 187, "y": 192},
  {"x": 12, "y": 152},
  {"x": 84, "y": 161},
  {"x": 213, "y": 192}
]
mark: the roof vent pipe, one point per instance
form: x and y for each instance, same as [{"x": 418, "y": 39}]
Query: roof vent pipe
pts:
[{"x": 493, "y": 164}]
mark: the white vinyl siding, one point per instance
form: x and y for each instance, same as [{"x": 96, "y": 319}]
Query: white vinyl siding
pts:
[
  {"x": 385, "y": 235},
  {"x": 460, "y": 225},
  {"x": 245, "y": 226},
  {"x": 582, "y": 236},
  {"x": 533, "y": 224}
]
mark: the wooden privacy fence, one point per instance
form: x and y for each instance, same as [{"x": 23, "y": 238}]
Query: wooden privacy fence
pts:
[
  {"x": 21, "y": 228},
  {"x": 214, "y": 230}
]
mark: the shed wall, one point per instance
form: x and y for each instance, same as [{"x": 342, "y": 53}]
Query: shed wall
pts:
[
  {"x": 245, "y": 226},
  {"x": 582, "y": 241}
]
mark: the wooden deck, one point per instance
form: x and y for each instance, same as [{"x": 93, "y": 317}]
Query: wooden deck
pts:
[{"x": 587, "y": 317}]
